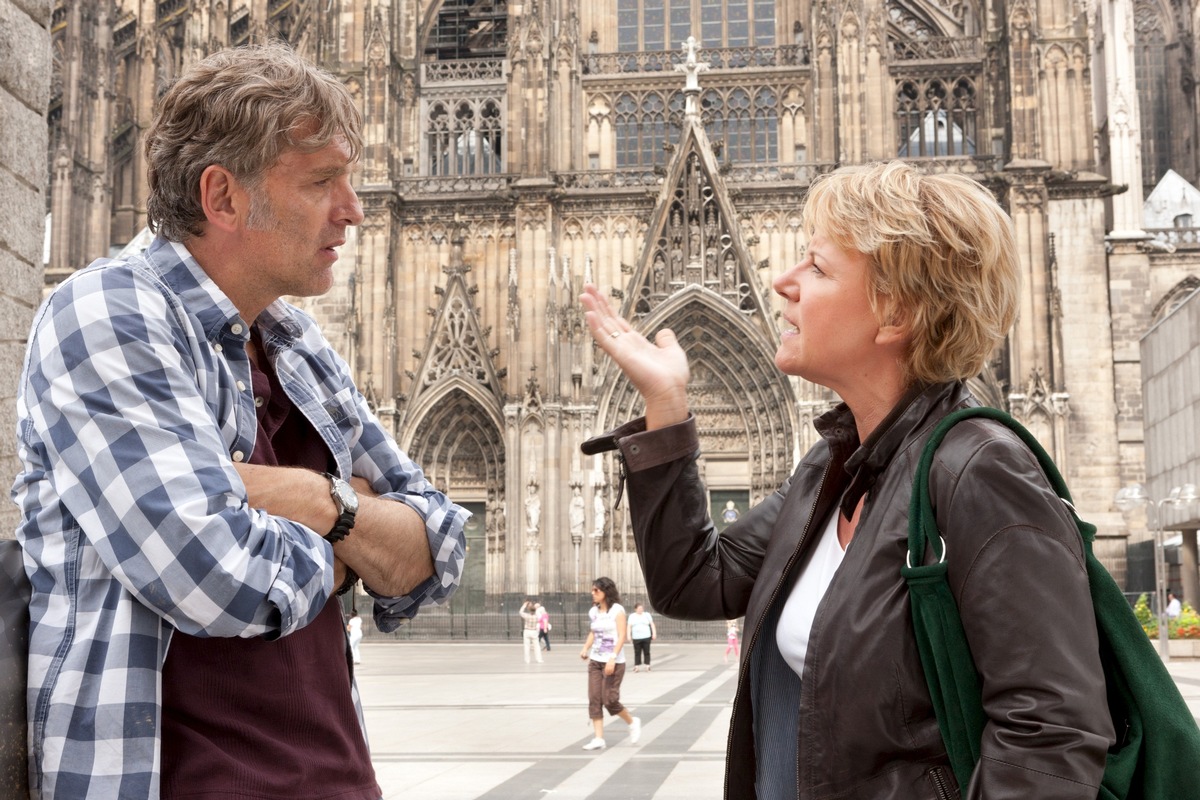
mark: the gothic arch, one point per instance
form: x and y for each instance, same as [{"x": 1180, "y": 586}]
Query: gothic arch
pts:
[
  {"x": 744, "y": 406},
  {"x": 1173, "y": 299},
  {"x": 456, "y": 438}
]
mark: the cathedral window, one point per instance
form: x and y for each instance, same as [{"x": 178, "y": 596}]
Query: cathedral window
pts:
[
  {"x": 936, "y": 117},
  {"x": 748, "y": 131},
  {"x": 469, "y": 29},
  {"x": 1154, "y": 103},
  {"x": 643, "y": 124},
  {"x": 745, "y": 125},
  {"x": 467, "y": 141},
  {"x": 647, "y": 25}
]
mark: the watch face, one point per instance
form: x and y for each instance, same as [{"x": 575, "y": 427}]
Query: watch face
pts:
[{"x": 345, "y": 495}]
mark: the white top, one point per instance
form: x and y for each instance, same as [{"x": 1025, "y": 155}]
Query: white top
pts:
[
  {"x": 796, "y": 620},
  {"x": 639, "y": 625},
  {"x": 604, "y": 629},
  {"x": 355, "y": 624}
]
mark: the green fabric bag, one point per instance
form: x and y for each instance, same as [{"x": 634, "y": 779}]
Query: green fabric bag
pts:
[{"x": 1157, "y": 755}]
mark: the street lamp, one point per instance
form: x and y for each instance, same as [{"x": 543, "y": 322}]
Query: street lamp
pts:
[{"x": 1134, "y": 496}]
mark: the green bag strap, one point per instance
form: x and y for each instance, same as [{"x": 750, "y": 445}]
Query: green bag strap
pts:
[{"x": 941, "y": 641}]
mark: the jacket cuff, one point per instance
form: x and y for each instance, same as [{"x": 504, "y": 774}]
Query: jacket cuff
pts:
[{"x": 643, "y": 449}]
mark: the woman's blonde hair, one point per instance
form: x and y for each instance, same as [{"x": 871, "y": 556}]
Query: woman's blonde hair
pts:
[
  {"x": 240, "y": 109},
  {"x": 943, "y": 255}
]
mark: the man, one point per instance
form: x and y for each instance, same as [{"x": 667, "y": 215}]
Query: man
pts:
[
  {"x": 641, "y": 631},
  {"x": 200, "y": 472},
  {"x": 529, "y": 630},
  {"x": 1174, "y": 607}
]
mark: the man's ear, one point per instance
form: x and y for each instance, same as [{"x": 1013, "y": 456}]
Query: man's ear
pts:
[{"x": 224, "y": 200}]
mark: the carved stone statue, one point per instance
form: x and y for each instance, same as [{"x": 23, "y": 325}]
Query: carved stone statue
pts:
[
  {"x": 533, "y": 508},
  {"x": 598, "y": 512},
  {"x": 575, "y": 514}
]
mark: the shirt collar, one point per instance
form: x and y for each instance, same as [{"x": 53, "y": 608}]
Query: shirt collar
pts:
[{"x": 203, "y": 299}]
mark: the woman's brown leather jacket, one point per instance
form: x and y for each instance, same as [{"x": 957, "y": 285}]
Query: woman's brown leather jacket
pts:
[{"x": 866, "y": 724}]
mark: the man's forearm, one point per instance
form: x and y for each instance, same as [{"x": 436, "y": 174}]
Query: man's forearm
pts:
[{"x": 387, "y": 547}]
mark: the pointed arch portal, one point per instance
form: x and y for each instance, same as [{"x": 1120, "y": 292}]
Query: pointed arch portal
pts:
[
  {"x": 461, "y": 449},
  {"x": 744, "y": 406}
]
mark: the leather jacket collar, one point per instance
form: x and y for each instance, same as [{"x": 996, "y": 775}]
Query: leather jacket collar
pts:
[{"x": 864, "y": 462}]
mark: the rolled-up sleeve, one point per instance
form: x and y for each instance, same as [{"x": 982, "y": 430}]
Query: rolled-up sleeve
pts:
[
  {"x": 378, "y": 458},
  {"x": 112, "y": 410}
]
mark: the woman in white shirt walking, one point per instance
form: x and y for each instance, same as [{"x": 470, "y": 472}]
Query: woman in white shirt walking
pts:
[{"x": 606, "y": 662}]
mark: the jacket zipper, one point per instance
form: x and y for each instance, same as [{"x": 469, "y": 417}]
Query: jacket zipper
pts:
[
  {"x": 749, "y": 648},
  {"x": 940, "y": 786}
]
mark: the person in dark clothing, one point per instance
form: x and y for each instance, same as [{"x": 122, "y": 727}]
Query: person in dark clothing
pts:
[{"x": 909, "y": 283}]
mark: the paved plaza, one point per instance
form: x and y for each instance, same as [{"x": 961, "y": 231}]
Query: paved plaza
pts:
[{"x": 452, "y": 721}]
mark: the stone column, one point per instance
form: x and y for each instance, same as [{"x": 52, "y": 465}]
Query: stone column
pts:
[
  {"x": 1123, "y": 123},
  {"x": 24, "y": 97}
]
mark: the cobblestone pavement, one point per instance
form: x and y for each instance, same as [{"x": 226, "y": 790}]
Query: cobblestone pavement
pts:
[{"x": 452, "y": 721}]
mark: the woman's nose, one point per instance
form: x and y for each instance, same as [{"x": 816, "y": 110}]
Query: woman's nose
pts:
[{"x": 785, "y": 283}]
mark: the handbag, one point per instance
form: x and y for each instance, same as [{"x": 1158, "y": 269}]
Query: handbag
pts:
[{"x": 1158, "y": 744}]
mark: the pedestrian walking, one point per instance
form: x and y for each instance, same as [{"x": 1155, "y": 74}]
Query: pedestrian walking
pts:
[
  {"x": 604, "y": 652},
  {"x": 642, "y": 631},
  {"x": 529, "y": 632},
  {"x": 543, "y": 626}
]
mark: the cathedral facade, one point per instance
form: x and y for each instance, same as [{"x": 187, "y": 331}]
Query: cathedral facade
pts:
[{"x": 516, "y": 149}]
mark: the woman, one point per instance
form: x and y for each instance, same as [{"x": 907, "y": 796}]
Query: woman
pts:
[
  {"x": 908, "y": 284},
  {"x": 642, "y": 631},
  {"x": 606, "y": 662}
]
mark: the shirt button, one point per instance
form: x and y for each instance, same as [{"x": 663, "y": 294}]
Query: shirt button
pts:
[
  {"x": 238, "y": 455},
  {"x": 633, "y": 449},
  {"x": 218, "y": 347},
  {"x": 258, "y": 401},
  {"x": 236, "y": 327},
  {"x": 241, "y": 386}
]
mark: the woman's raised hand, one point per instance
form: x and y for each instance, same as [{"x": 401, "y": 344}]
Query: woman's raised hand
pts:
[{"x": 658, "y": 369}]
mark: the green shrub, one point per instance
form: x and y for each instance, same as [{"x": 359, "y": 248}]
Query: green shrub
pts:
[
  {"x": 1141, "y": 610},
  {"x": 1186, "y": 625}
]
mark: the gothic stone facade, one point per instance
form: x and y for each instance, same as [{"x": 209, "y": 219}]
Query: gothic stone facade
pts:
[{"x": 516, "y": 149}]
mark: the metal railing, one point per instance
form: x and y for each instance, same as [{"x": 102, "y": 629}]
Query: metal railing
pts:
[
  {"x": 500, "y": 622},
  {"x": 788, "y": 55}
]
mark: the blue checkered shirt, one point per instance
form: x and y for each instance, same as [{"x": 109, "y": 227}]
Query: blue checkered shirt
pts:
[{"x": 134, "y": 404}]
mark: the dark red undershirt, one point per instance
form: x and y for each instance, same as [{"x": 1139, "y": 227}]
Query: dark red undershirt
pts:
[{"x": 258, "y": 719}]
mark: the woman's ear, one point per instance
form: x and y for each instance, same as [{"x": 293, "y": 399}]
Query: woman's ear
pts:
[{"x": 894, "y": 324}]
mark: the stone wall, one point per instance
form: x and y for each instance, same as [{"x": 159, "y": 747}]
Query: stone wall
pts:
[{"x": 24, "y": 96}]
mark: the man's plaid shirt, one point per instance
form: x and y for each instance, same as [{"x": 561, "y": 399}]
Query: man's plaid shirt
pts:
[{"x": 134, "y": 404}]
